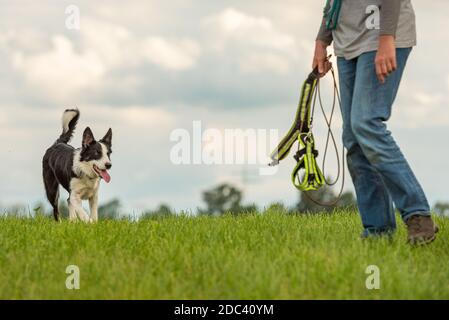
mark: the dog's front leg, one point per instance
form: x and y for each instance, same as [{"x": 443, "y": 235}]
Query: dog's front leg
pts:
[
  {"x": 76, "y": 202},
  {"x": 93, "y": 203}
]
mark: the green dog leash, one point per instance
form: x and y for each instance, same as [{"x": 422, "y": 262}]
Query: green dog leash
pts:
[
  {"x": 300, "y": 131},
  {"x": 307, "y": 175}
]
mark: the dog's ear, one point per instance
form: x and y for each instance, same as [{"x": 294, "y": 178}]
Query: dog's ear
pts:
[
  {"x": 88, "y": 138},
  {"x": 107, "y": 139}
]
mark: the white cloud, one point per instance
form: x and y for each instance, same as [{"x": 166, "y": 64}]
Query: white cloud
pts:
[
  {"x": 60, "y": 71},
  {"x": 113, "y": 43},
  {"x": 263, "y": 62},
  {"x": 65, "y": 67},
  {"x": 257, "y": 44},
  {"x": 118, "y": 47},
  {"x": 132, "y": 117},
  {"x": 421, "y": 110},
  {"x": 447, "y": 83},
  {"x": 232, "y": 25},
  {"x": 426, "y": 99},
  {"x": 173, "y": 55},
  {"x": 232, "y": 21}
]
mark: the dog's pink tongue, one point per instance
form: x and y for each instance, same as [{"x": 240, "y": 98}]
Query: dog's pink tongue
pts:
[{"x": 105, "y": 175}]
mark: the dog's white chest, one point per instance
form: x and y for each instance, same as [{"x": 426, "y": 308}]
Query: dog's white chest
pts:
[{"x": 85, "y": 188}]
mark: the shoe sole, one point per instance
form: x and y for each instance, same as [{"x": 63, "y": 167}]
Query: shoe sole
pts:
[{"x": 421, "y": 242}]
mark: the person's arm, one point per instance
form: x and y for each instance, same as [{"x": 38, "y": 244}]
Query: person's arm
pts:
[
  {"x": 324, "y": 34},
  {"x": 323, "y": 40},
  {"x": 389, "y": 17},
  {"x": 386, "y": 54}
]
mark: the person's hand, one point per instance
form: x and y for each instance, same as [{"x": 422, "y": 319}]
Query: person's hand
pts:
[
  {"x": 385, "y": 58},
  {"x": 320, "y": 58}
]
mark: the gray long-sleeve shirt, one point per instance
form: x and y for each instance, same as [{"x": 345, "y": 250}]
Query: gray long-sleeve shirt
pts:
[{"x": 361, "y": 22}]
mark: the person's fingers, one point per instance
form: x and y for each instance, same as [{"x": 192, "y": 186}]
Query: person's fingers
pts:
[
  {"x": 323, "y": 71},
  {"x": 394, "y": 63},
  {"x": 384, "y": 69},
  {"x": 378, "y": 71},
  {"x": 321, "y": 66},
  {"x": 381, "y": 70},
  {"x": 321, "y": 63},
  {"x": 389, "y": 66},
  {"x": 324, "y": 68}
]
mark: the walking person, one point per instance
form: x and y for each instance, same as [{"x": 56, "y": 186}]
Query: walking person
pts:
[{"x": 372, "y": 40}]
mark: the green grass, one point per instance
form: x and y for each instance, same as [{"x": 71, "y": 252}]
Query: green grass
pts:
[{"x": 269, "y": 256}]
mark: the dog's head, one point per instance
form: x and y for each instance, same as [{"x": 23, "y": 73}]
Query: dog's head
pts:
[{"x": 96, "y": 155}]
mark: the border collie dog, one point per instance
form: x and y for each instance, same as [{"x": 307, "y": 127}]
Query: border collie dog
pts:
[{"x": 79, "y": 171}]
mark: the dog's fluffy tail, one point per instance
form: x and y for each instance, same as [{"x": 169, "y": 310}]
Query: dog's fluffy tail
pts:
[{"x": 69, "y": 121}]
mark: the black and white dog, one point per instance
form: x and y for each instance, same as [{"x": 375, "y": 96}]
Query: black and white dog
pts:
[{"x": 79, "y": 171}]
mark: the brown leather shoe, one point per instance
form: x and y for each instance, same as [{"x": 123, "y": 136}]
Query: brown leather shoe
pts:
[{"x": 421, "y": 230}]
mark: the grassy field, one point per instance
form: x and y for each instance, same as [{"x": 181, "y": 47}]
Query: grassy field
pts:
[{"x": 269, "y": 256}]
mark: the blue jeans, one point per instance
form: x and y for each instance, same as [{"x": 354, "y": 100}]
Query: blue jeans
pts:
[{"x": 380, "y": 173}]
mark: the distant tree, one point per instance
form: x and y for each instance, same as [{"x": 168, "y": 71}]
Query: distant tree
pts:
[
  {"x": 324, "y": 195},
  {"x": 441, "y": 208},
  {"x": 221, "y": 199},
  {"x": 307, "y": 205},
  {"x": 163, "y": 211},
  {"x": 109, "y": 210},
  {"x": 276, "y": 207},
  {"x": 251, "y": 208},
  {"x": 225, "y": 198}
]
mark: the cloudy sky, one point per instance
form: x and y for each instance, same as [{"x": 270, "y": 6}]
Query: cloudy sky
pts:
[{"x": 147, "y": 68}]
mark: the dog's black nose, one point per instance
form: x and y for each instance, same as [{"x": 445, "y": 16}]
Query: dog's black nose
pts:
[{"x": 108, "y": 166}]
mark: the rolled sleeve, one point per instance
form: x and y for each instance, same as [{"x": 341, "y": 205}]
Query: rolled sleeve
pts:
[
  {"x": 389, "y": 17},
  {"x": 325, "y": 34}
]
